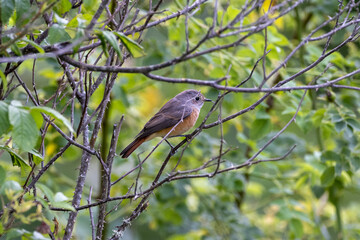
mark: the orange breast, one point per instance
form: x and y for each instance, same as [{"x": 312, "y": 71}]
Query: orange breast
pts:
[{"x": 181, "y": 128}]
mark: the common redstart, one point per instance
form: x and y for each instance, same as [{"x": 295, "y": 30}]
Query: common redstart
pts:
[{"x": 181, "y": 111}]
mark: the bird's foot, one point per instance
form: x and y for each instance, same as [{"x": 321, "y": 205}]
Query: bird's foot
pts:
[{"x": 187, "y": 137}]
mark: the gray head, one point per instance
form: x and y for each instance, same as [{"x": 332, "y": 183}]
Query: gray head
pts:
[{"x": 192, "y": 97}]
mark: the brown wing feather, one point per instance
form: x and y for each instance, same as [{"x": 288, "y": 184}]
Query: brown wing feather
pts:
[{"x": 169, "y": 115}]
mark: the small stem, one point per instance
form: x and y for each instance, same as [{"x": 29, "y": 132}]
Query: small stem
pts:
[{"x": 338, "y": 220}]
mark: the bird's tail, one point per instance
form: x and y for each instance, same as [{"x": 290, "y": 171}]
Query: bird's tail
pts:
[{"x": 131, "y": 147}]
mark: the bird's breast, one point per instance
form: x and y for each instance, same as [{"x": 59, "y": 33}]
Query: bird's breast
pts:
[
  {"x": 187, "y": 123},
  {"x": 181, "y": 128}
]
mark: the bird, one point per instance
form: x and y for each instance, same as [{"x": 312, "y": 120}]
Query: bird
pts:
[{"x": 181, "y": 111}]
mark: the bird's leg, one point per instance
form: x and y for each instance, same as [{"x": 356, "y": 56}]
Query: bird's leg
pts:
[
  {"x": 187, "y": 136},
  {"x": 169, "y": 143},
  {"x": 179, "y": 136}
]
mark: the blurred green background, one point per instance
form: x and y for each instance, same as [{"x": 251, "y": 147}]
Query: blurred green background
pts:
[{"x": 312, "y": 194}]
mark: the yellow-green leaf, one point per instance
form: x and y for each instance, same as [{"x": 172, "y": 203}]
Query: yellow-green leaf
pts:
[{"x": 135, "y": 49}]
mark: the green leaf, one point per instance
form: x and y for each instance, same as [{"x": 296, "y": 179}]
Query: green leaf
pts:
[
  {"x": 343, "y": 163},
  {"x": 7, "y": 9},
  {"x": 35, "y": 45},
  {"x": 37, "y": 158},
  {"x": 330, "y": 156},
  {"x": 4, "y": 118},
  {"x": 172, "y": 216},
  {"x": 336, "y": 117},
  {"x": 16, "y": 233},
  {"x": 123, "y": 96},
  {"x": 318, "y": 191},
  {"x": 318, "y": 116},
  {"x": 24, "y": 132},
  {"x": 296, "y": 227},
  {"x": 288, "y": 214},
  {"x": 135, "y": 49},
  {"x": 74, "y": 23},
  {"x": 353, "y": 123},
  {"x": 192, "y": 235},
  {"x": 349, "y": 132},
  {"x": 89, "y": 4},
  {"x": 355, "y": 162},
  {"x": 64, "y": 205},
  {"x": 301, "y": 182},
  {"x": 349, "y": 101},
  {"x": 305, "y": 123},
  {"x": 262, "y": 115},
  {"x": 276, "y": 37},
  {"x": 62, "y": 7},
  {"x": 2, "y": 175},
  {"x": 57, "y": 34},
  {"x": 47, "y": 192},
  {"x": 111, "y": 38},
  {"x": 337, "y": 59},
  {"x": 75, "y": 28},
  {"x": 55, "y": 114},
  {"x": 261, "y": 128},
  {"x": 328, "y": 176},
  {"x": 16, "y": 159},
  {"x": 43, "y": 202},
  {"x": 4, "y": 81},
  {"x": 339, "y": 126},
  {"x": 14, "y": 47},
  {"x": 22, "y": 9},
  {"x": 103, "y": 42},
  {"x": 38, "y": 118}
]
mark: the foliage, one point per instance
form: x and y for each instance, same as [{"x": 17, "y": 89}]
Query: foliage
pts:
[{"x": 275, "y": 156}]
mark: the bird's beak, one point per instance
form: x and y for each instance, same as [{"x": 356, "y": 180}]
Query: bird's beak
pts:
[{"x": 208, "y": 100}]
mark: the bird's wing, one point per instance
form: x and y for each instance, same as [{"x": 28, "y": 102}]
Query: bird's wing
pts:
[{"x": 169, "y": 115}]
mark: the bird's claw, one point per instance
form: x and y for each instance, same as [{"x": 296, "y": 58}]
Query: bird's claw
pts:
[{"x": 187, "y": 137}]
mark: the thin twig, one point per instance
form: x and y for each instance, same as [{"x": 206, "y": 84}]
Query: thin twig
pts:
[{"x": 91, "y": 216}]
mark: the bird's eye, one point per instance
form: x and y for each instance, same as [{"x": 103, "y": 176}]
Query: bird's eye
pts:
[{"x": 197, "y": 98}]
